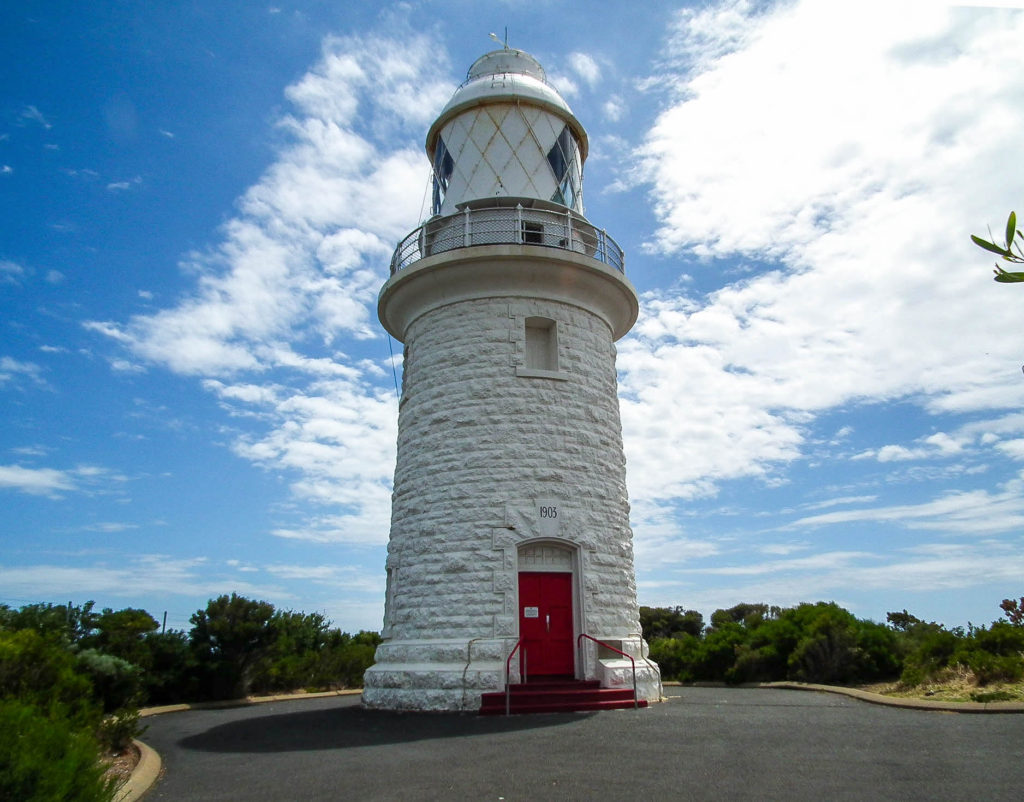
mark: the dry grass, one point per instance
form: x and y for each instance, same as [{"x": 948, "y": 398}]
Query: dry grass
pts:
[{"x": 954, "y": 685}]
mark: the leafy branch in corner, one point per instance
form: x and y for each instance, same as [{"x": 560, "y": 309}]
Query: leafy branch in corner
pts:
[{"x": 1010, "y": 252}]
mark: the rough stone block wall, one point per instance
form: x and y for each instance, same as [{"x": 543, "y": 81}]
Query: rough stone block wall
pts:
[{"x": 475, "y": 439}]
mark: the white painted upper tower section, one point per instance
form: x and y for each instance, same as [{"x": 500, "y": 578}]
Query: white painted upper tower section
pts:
[{"x": 506, "y": 132}]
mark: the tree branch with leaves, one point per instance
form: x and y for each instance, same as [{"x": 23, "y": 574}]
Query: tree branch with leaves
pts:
[{"x": 1011, "y": 251}]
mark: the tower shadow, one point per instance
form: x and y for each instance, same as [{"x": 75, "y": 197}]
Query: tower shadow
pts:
[{"x": 353, "y": 727}]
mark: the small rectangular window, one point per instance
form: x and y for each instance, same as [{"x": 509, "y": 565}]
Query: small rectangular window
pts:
[{"x": 541, "y": 344}]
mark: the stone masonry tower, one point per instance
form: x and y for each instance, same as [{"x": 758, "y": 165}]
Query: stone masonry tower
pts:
[{"x": 510, "y": 523}]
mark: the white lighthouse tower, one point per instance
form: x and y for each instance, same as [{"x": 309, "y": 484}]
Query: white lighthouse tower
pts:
[{"x": 510, "y": 552}]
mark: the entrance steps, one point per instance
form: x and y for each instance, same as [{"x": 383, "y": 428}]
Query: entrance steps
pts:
[{"x": 558, "y": 696}]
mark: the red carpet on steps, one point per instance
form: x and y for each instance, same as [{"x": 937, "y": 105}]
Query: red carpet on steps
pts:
[{"x": 558, "y": 696}]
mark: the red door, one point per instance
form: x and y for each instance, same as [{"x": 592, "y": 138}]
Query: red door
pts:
[{"x": 545, "y": 623}]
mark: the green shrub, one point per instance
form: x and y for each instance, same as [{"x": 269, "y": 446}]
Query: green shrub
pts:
[
  {"x": 118, "y": 729},
  {"x": 43, "y": 759},
  {"x": 43, "y": 673},
  {"x": 929, "y": 649},
  {"x": 122, "y": 633},
  {"x": 170, "y": 673},
  {"x": 344, "y": 660},
  {"x": 913, "y": 675},
  {"x": 992, "y": 696},
  {"x": 1001, "y": 638},
  {"x": 116, "y": 683},
  {"x": 717, "y": 652},
  {"x": 676, "y": 657},
  {"x": 761, "y": 664},
  {"x": 988, "y": 667},
  {"x": 228, "y": 639}
]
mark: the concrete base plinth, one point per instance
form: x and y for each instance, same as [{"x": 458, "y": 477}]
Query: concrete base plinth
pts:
[{"x": 441, "y": 675}]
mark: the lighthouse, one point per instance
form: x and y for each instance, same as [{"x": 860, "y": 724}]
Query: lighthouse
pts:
[{"x": 510, "y": 559}]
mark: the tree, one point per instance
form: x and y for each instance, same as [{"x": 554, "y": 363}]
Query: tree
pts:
[
  {"x": 749, "y": 615},
  {"x": 1014, "y": 611},
  {"x": 120, "y": 633},
  {"x": 291, "y": 657},
  {"x": 71, "y": 622},
  {"x": 1011, "y": 251},
  {"x": 170, "y": 668},
  {"x": 228, "y": 638},
  {"x": 903, "y": 621},
  {"x": 670, "y": 622}
]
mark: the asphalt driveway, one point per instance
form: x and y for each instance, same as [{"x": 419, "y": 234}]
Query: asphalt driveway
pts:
[{"x": 705, "y": 743}]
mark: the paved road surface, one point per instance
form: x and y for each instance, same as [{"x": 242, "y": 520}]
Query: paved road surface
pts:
[{"x": 705, "y": 743}]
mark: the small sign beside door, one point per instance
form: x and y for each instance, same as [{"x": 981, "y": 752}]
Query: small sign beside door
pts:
[{"x": 531, "y": 612}]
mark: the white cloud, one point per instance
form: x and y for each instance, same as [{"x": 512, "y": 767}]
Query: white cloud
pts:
[
  {"x": 32, "y": 114},
  {"x": 52, "y": 482},
  {"x": 124, "y": 366},
  {"x": 1013, "y": 448},
  {"x": 142, "y": 575},
  {"x": 297, "y": 270},
  {"x": 665, "y": 540},
  {"x": 853, "y": 579},
  {"x": 36, "y": 481},
  {"x": 614, "y": 108},
  {"x": 835, "y": 502},
  {"x": 10, "y": 272},
  {"x": 305, "y": 255},
  {"x": 110, "y": 527},
  {"x": 586, "y": 68},
  {"x": 974, "y": 512},
  {"x": 336, "y": 440},
  {"x": 117, "y": 186},
  {"x": 565, "y": 85},
  {"x": 350, "y": 578},
  {"x": 31, "y": 451},
  {"x": 12, "y": 371},
  {"x": 846, "y": 154}
]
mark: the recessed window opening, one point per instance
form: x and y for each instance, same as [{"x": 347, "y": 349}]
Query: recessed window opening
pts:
[
  {"x": 541, "y": 344},
  {"x": 533, "y": 233}
]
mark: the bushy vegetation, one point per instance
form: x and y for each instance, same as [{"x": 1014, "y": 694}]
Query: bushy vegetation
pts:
[
  {"x": 991, "y": 654},
  {"x": 239, "y": 646},
  {"x": 50, "y": 720},
  {"x": 72, "y": 680},
  {"x": 42, "y": 758},
  {"x": 824, "y": 643}
]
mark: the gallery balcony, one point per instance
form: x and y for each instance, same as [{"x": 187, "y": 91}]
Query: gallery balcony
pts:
[{"x": 508, "y": 221}]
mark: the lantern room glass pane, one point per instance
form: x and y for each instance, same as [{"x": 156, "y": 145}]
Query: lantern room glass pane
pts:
[
  {"x": 443, "y": 167},
  {"x": 564, "y": 159}
]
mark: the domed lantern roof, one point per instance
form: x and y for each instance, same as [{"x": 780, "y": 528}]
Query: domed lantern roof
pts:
[{"x": 506, "y": 132}]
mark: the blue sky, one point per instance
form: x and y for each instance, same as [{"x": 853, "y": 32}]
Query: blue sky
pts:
[{"x": 821, "y": 399}]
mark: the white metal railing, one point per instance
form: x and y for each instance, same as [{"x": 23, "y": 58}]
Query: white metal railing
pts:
[{"x": 508, "y": 225}]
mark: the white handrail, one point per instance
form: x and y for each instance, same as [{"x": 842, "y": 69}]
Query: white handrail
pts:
[{"x": 504, "y": 224}]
